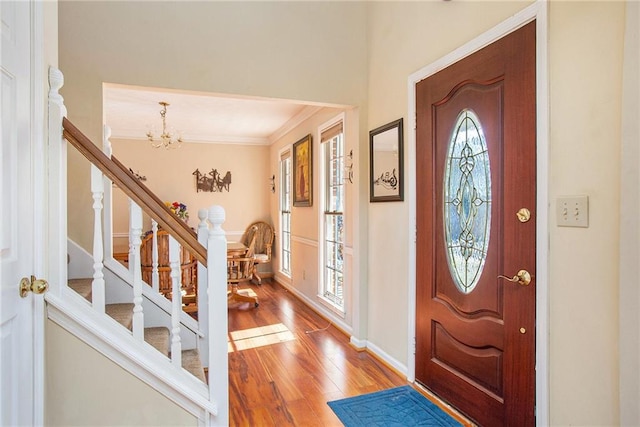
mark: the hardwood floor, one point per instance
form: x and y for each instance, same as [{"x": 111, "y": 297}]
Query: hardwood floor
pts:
[{"x": 280, "y": 374}]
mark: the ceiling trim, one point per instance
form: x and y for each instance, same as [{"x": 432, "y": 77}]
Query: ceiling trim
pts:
[
  {"x": 306, "y": 113},
  {"x": 199, "y": 139},
  {"x": 292, "y": 123}
]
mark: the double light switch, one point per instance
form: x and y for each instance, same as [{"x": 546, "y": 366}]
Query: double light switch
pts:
[{"x": 572, "y": 211}]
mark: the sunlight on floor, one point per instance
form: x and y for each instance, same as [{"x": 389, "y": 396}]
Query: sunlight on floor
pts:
[{"x": 259, "y": 337}]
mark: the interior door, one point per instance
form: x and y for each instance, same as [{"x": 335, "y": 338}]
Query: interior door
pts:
[
  {"x": 16, "y": 219},
  {"x": 476, "y": 203}
]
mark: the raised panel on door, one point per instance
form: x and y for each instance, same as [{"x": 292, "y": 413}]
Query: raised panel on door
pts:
[{"x": 16, "y": 218}]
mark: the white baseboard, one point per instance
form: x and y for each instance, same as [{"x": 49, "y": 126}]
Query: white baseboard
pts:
[{"x": 327, "y": 314}]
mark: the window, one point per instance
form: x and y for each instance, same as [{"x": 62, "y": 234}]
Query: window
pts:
[
  {"x": 332, "y": 283},
  {"x": 285, "y": 213}
]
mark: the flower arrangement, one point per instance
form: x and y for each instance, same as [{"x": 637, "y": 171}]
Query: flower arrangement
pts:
[{"x": 179, "y": 209}]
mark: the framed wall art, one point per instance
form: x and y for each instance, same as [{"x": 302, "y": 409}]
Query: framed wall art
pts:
[
  {"x": 303, "y": 172},
  {"x": 385, "y": 163}
]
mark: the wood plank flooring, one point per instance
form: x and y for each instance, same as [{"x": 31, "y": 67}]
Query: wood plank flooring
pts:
[{"x": 280, "y": 374}]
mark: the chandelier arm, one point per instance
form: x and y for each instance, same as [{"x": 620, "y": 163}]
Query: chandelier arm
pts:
[{"x": 166, "y": 139}]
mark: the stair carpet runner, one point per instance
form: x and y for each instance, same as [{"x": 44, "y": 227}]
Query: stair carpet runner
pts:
[{"x": 158, "y": 337}]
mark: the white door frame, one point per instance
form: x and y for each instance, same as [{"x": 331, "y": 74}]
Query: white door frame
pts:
[
  {"x": 40, "y": 185},
  {"x": 537, "y": 11}
]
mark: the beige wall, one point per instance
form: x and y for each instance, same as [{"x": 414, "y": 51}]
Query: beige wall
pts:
[
  {"x": 170, "y": 176},
  {"x": 629, "y": 227},
  {"x": 304, "y": 220},
  {"x": 251, "y": 48},
  {"x": 585, "y": 65},
  {"x": 273, "y": 49},
  {"x": 403, "y": 38},
  {"x": 585, "y": 59},
  {"x": 95, "y": 391}
]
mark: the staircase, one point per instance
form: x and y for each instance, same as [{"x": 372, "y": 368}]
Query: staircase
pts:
[
  {"x": 156, "y": 336},
  {"x": 111, "y": 309}
]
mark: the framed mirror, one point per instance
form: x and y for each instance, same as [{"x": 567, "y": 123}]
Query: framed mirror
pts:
[{"x": 385, "y": 163}]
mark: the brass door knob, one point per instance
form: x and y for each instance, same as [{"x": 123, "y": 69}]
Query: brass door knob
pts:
[
  {"x": 523, "y": 277},
  {"x": 37, "y": 286}
]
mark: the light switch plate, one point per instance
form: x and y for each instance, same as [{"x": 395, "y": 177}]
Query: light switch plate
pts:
[{"x": 572, "y": 211}]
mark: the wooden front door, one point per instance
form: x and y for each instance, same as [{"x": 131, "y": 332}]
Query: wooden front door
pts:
[{"x": 476, "y": 216}]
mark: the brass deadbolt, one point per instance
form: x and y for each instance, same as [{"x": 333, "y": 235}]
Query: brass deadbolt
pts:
[{"x": 524, "y": 215}]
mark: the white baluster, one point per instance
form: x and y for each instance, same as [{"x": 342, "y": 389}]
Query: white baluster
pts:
[
  {"x": 176, "y": 301},
  {"x": 203, "y": 305},
  {"x": 135, "y": 232},
  {"x": 155, "y": 276},
  {"x": 107, "y": 212},
  {"x": 217, "y": 280},
  {"x": 97, "y": 286},
  {"x": 57, "y": 182}
]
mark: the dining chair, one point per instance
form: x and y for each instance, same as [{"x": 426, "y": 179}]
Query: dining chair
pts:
[
  {"x": 264, "y": 236},
  {"x": 240, "y": 271}
]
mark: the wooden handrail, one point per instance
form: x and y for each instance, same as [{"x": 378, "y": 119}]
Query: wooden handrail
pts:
[
  {"x": 151, "y": 194},
  {"x": 136, "y": 190}
]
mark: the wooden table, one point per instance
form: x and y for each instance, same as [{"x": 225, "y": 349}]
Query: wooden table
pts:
[{"x": 236, "y": 249}]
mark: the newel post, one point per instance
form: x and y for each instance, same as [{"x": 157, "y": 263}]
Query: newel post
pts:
[
  {"x": 57, "y": 183},
  {"x": 217, "y": 280}
]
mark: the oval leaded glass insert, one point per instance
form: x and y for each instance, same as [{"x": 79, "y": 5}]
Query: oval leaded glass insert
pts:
[{"x": 467, "y": 201}]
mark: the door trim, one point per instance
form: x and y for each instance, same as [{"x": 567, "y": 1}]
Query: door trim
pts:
[
  {"x": 39, "y": 161},
  {"x": 537, "y": 11}
]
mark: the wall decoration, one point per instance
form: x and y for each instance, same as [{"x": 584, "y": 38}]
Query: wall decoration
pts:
[
  {"x": 348, "y": 168},
  {"x": 272, "y": 183},
  {"x": 386, "y": 163},
  {"x": 212, "y": 181},
  {"x": 138, "y": 176},
  {"x": 303, "y": 172}
]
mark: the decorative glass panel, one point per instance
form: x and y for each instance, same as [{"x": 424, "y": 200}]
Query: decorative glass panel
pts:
[{"x": 467, "y": 201}]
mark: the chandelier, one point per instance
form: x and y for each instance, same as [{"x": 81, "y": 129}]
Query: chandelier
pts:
[{"x": 167, "y": 137}]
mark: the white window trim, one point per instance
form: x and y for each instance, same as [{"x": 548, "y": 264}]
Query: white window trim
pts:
[
  {"x": 346, "y": 284},
  {"x": 283, "y": 150}
]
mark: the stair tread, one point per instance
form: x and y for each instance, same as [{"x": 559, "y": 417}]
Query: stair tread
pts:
[
  {"x": 82, "y": 286},
  {"x": 191, "y": 362},
  {"x": 158, "y": 337},
  {"x": 122, "y": 313}
]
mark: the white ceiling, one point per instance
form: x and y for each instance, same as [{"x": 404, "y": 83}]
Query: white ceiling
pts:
[{"x": 132, "y": 111}]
